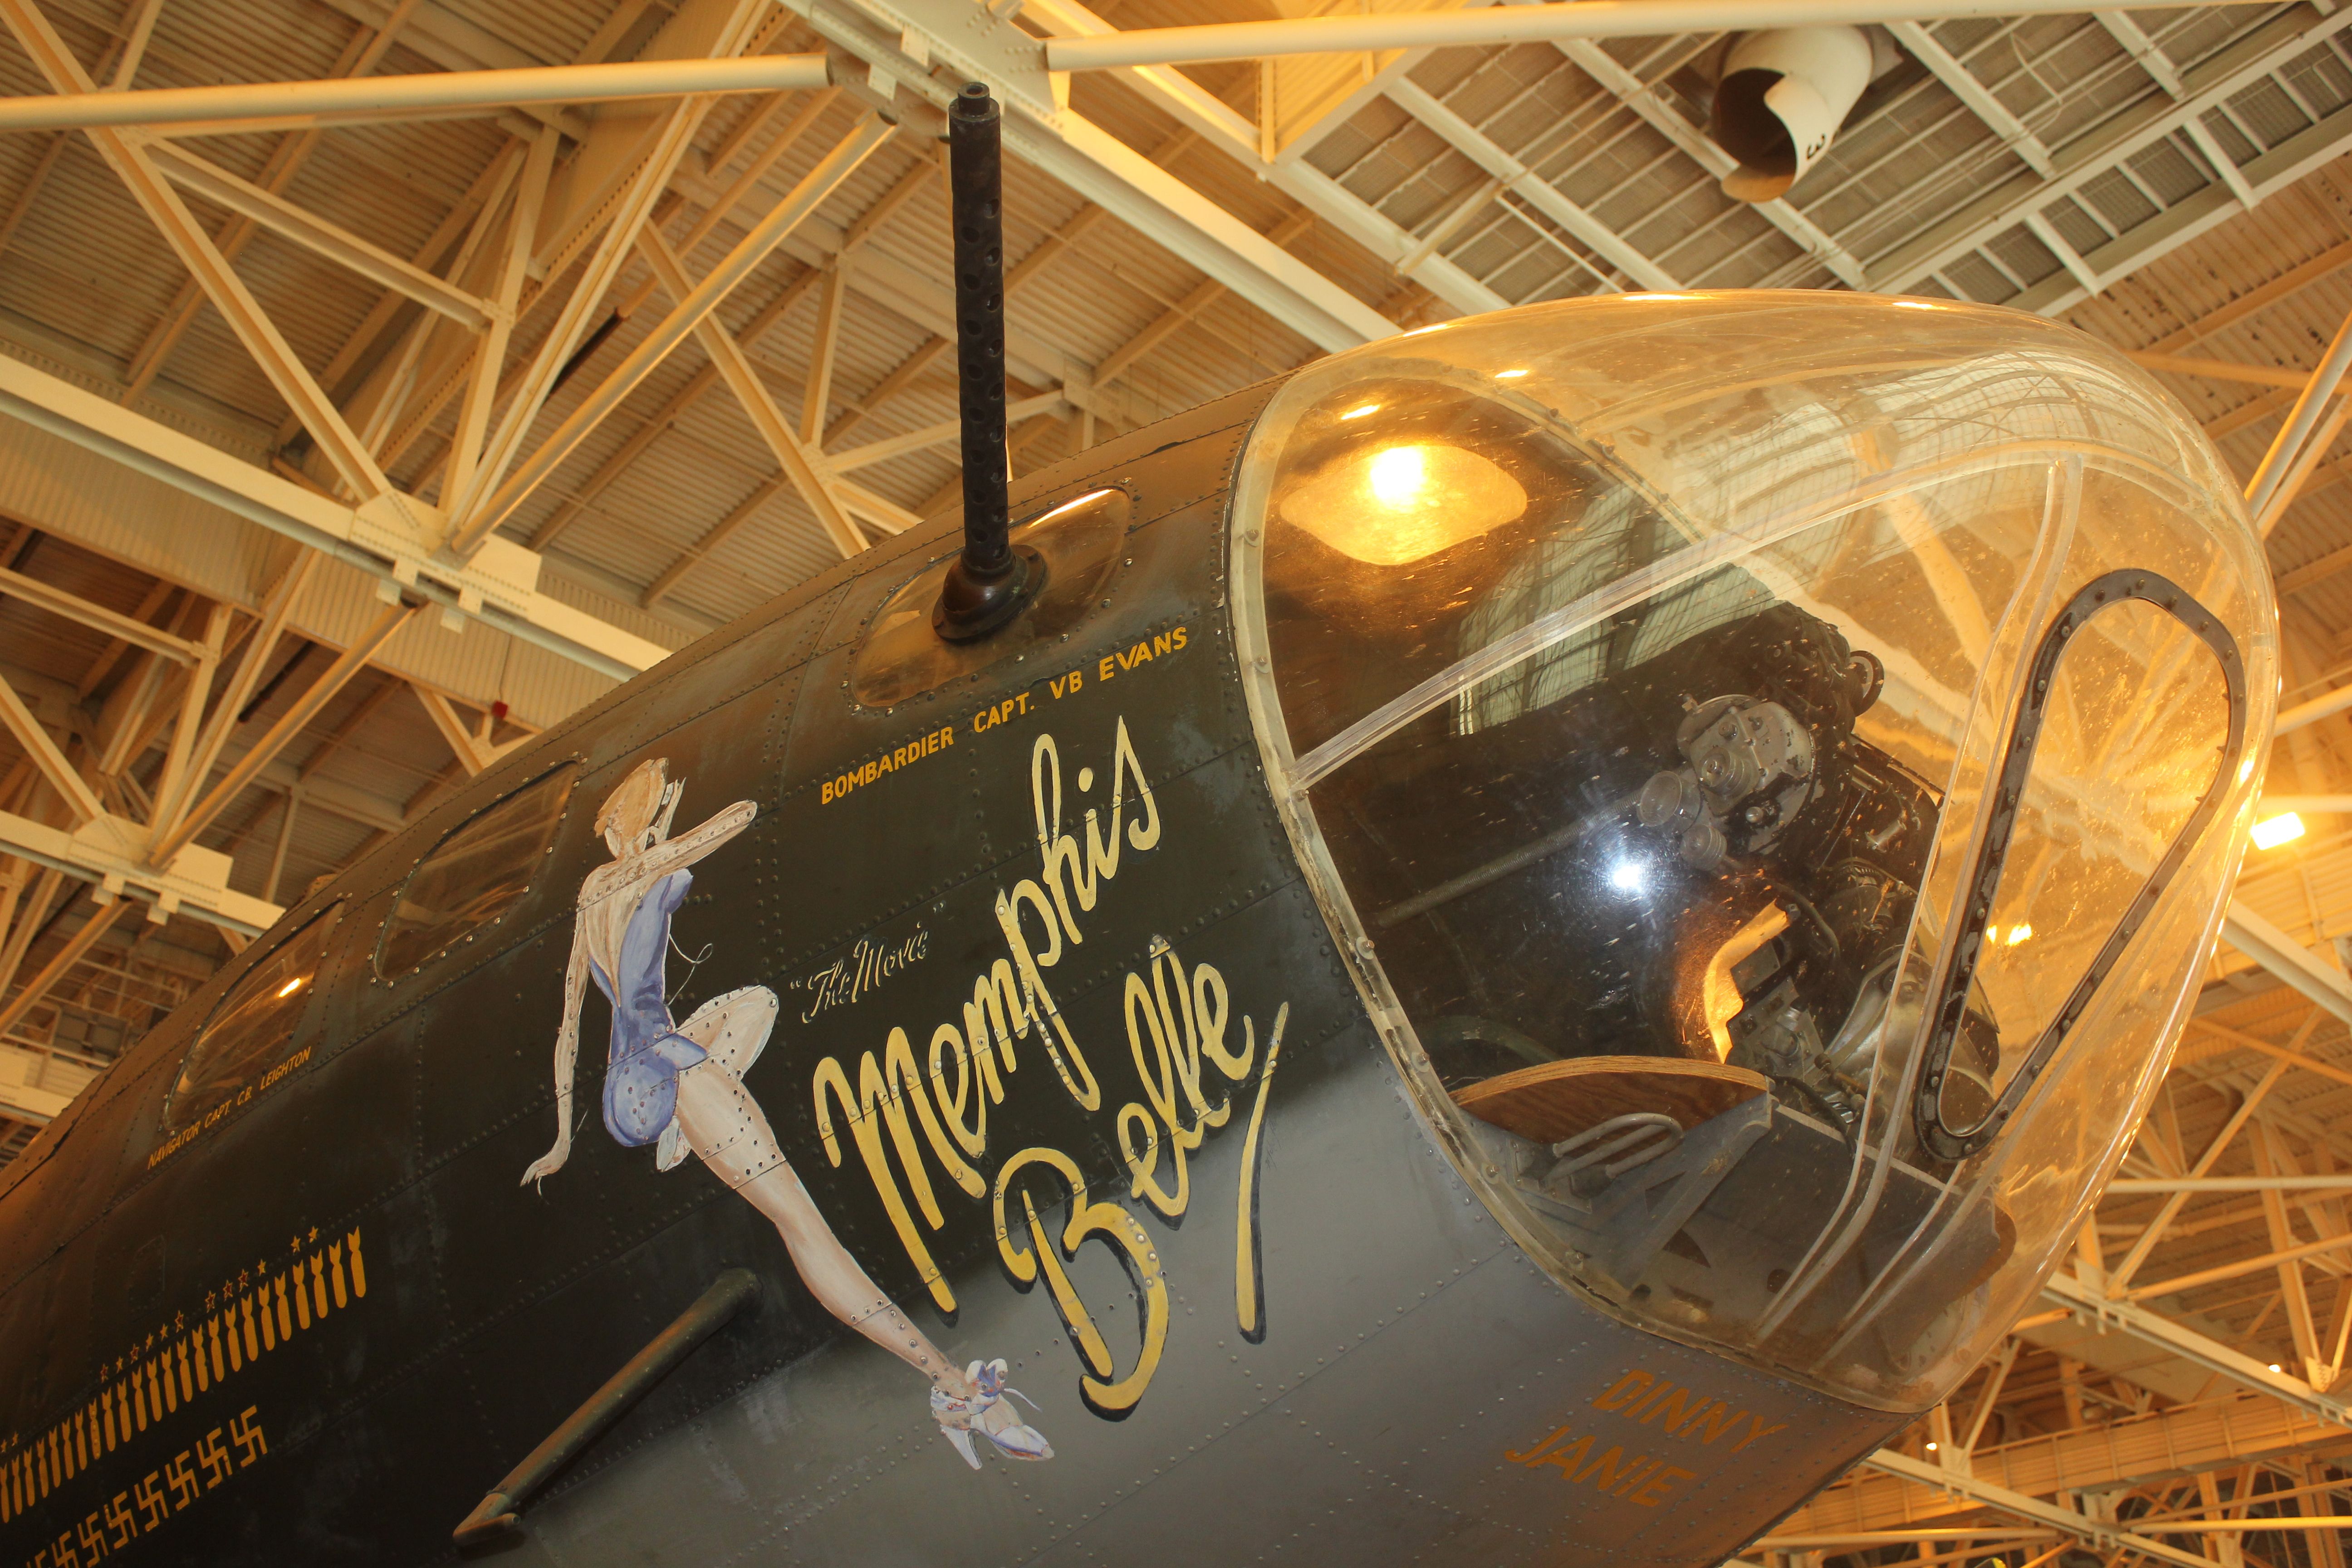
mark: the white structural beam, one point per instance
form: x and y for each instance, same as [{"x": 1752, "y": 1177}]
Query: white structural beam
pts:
[
  {"x": 296, "y": 105},
  {"x": 633, "y": 157},
  {"x": 1140, "y": 192},
  {"x": 474, "y": 752},
  {"x": 1289, "y": 171},
  {"x": 46, "y": 758},
  {"x": 174, "y": 534},
  {"x": 1955, "y": 74},
  {"x": 341, "y": 446},
  {"x": 108, "y": 910},
  {"x": 1216, "y": 122},
  {"x": 1360, "y": 32},
  {"x": 97, "y": 617},
  {"x": 925, "y": 301},
  {"x": 673, "y": 329},
  {"x": 316, "y": 234},
  {"x": 1539, "y": 193},
  {"x": 937, "y": 434},
  {"x": 2311, "y": 711},
  {"x": 2153, "y": 1327},
  {"x": 878, "y": 510},
  {"x": 2304, "y": 971},
  {"x": 473, "y": 426},
  {"x": 977, "y": 46},
  {"x": 50, "y": 699},
  {"x": 2129, "y": 1185},
  {"x": 37, "y": 1087},
  {"x": 259, "y": 649},
  {"x": 112, "y": 852},
  {"x": 175, "y": 835},
  {"x": 2106, "y": 1533},
  {"x": 2095, "y": 154},
  {"x": 2221, "y": 163},
  {"x": 798, "y": 462},
  {"x": 2284, "y": 466},
  {"x": 2318, "y": 805},
  {"x": 498, "y": 587},
  {"x": 2145, "y": 50}
]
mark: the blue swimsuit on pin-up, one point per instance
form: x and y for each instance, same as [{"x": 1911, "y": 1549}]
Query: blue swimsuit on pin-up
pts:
[{"x": 648, "y": 1053}]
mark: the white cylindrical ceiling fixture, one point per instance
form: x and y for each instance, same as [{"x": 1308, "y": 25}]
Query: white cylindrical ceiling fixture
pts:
[{"x": 1781, "y": 97}]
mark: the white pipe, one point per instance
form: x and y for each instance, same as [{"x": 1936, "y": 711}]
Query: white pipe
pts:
[
  {"x": 2315, "y": 446},
  {"x": 354, "y": 97},
  {"x": 2318, "y": 804},
  {"x": 2288, "y": 447},
  {"x": 2326, "y": 705},
  {"x": 1515, "y": 23}
]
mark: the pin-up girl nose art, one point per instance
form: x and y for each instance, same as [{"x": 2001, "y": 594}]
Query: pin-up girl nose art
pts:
[{"x": 679, "y": 1087}]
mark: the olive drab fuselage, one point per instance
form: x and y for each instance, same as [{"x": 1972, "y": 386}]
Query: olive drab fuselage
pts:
[{"x": 1063, "y": 1050}]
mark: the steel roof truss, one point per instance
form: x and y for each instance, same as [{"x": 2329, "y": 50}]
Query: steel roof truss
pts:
[{"x": 316, "y": 235}]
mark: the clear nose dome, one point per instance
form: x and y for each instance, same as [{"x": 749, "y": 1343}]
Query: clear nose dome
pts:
[{"x": 1778, "y": 761}]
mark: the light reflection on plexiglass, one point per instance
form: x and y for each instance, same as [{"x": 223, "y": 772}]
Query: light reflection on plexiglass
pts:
[{"x": 1635, "y": 669}]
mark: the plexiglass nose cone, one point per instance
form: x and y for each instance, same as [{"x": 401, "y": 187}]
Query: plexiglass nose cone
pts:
[{"x": 1796, "y": 745}]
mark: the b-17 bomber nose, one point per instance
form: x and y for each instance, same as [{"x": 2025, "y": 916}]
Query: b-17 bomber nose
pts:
[
  {"x": 1775, "y": 762},
  {"x": 1538, "y": 931}
]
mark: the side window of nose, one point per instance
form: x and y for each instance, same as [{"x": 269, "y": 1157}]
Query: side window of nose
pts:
[
  {"x": 253, "y": 1027},
  {"x": 475, "y": 875}
]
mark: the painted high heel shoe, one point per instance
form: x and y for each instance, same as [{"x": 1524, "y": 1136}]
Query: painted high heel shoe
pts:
[{"x": 990, "y": 1413}]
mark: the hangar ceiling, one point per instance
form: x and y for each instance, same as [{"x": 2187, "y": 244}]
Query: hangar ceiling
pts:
[{"x": 348, "y": 436}]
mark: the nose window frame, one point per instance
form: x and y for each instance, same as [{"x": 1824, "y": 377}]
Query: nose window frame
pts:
[{"x": 1949, "y": 1005}]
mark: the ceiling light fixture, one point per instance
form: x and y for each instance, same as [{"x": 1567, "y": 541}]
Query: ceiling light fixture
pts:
[{"x": 2272, "y": 832}]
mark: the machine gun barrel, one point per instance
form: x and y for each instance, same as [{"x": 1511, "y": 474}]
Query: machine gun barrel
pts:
[{"x": 992, "y": 580}]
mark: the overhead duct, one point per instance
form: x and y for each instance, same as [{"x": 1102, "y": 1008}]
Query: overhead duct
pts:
[{"x": 1780, "y": 98}]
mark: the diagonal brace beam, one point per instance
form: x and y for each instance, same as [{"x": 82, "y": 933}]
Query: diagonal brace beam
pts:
[
  {"x": 337, "y": 441},
  {"x": 2154, "y": 1328},
  {"x": 2083, "y": 1527},
  {"x": 79, "y": 798},
  {"x": 289, "y": 724},
  {"x": 100, "y": 920},
  {"x": 754, "y": 248},
  {"x": 2288, "y": 959},
  {"x": 802, "y": 466},
  {"x": 318, "y": 235},
  {"x": 199, "y": 255}
]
